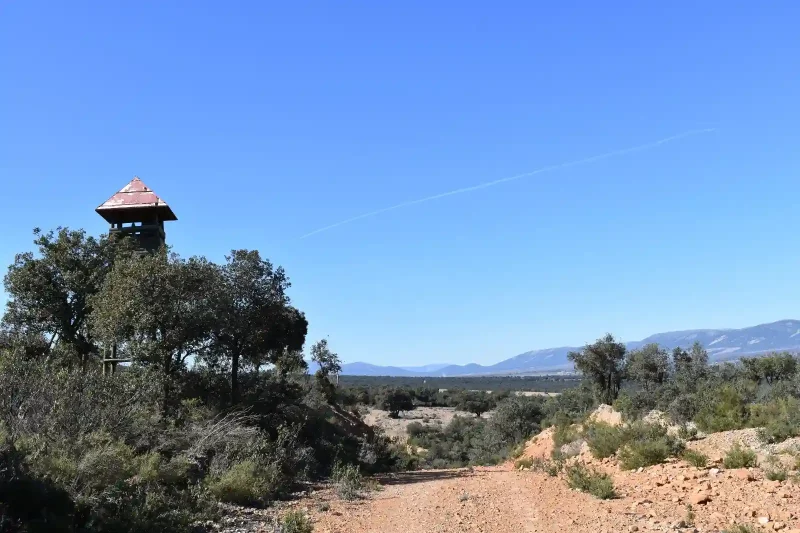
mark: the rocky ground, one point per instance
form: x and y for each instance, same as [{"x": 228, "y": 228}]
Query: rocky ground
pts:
[
  {"x": 670, "y": 497},
  {"x": 502, "y": 500}
]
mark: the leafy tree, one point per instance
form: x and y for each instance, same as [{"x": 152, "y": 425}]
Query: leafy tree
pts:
[
  {"x": 395, "y": 400},
  {"x": 648, "y": 366},
  {"x": 27, "y": 345},
  {"x": 253, "y": 320},
  {"x": 602, "y": 363},
  {"x": 680, "y": 359},
  {"x": 50, "y": 292},
  {"x": 690, "y": 367},
  {"x": 770, "y": 368},
  {"x": 426, "y": 396},
  {"x": 477, "y": 402},
  {"x": 329, "y": 364},
  {"x": 158, "y": 308},
  {"x": 514, "y": 420}
]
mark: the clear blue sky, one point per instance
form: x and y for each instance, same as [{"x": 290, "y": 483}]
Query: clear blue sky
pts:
[{"x": 260, "y": 122}]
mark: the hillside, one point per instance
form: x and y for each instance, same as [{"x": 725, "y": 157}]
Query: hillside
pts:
[{"x": 722, "y": 345}]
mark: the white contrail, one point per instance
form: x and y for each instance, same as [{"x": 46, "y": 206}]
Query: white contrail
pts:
[{"x": 615, "y": 153}]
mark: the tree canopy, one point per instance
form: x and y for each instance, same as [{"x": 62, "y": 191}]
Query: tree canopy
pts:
[
  {"x": 50, "y": 292},
  {"x": 602, "y": 363},
  {"x": 648, "y": 365}
]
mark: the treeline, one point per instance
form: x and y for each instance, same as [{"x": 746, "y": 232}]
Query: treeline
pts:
[
  {"x": 398, "y": 399},
  {"x": 554, "y": 383},
  {"x": 216, "y": 405}
]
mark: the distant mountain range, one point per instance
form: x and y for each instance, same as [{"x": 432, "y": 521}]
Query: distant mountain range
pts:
[{"x": 722, "y": 345}]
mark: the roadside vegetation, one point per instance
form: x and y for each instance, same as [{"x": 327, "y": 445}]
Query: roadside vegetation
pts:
[
  {"x": 687, "y": 391},
  {"x": 215, "y": 406}
]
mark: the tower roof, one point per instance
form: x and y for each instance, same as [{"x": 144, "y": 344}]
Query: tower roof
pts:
[{"x": 132, "y": 202}]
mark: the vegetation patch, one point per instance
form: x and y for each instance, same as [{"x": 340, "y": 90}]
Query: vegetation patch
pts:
[
  {"x": 296, "y": 521},
  {"x": 347, "y": 480},
  {"x": 523, "y": 463},
  {"x": 603, "y": 439},
  {"x": 740, "y": 457},
  {"x": 584, "y": 479},
  {"x": 777, "y": 420},
  {"x": 695, "y": 458}
]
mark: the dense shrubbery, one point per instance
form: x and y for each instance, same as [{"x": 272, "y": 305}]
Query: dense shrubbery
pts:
[
  {"x": 637, "y": 445},
  {"x": 466, "y": 441},
  {"x": 97, "y": 454},
  {"x": 155, "y": 445}
]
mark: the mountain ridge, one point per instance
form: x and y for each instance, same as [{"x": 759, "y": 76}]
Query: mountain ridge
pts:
[{"x": 722, "y": 344}]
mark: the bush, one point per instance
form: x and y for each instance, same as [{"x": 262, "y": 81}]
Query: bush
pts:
[
  {"x": 597, "y": 484},
  {"x": 646, "y": 445},
  {"x": 639, "y": 454},
  {"x": 570, "y": 407},
  {"x": 779, "y": 419},
  {"x": 564, "y": 434},
  {"x": 246, "y": 483},
  {"x": 524, "y": 463},
  {"x": 296, "y": 521},
  {"x": 348, "y": 481},
  {"x": 460, "y": 443},
  {"x": 776, "y": 474},
  {"x": 695, "y": 458},
  {"x": 637, "y": 445},
  {"x": 774, "y": 469},
  {"x": 603, "y": 439},
  {"x": 724, "y": 409},
  {"x": 740, "y": 457},
  {"x": 554, "y": 467},
  {"x": 633, "y": 405}
]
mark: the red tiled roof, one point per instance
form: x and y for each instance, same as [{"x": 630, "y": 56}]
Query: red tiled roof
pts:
[{"x": 134, "y": 196}]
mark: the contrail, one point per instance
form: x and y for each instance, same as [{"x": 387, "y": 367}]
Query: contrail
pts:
[{"x": 559, "y": 166}]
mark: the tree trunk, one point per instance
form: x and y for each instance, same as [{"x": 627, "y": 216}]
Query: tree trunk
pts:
[
  {"x": 235, "y": 379},
  {"x": 167, "y": 385}
]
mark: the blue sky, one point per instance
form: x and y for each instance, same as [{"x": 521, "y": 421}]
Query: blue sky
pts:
[{"x": 260, "y": 122}]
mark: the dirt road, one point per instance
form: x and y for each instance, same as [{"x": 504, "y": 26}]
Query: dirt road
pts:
[
  {"x": 502, "y": 500},
  {"x": 487, "y": 501}
]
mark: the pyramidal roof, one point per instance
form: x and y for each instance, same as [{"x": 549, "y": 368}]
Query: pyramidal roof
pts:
[{"x": 132, "y": 200}]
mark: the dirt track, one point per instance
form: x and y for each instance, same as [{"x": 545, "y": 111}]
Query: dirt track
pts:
[
  {"x": 501, "y": 500},
  {"x": 490, "y": 500}
]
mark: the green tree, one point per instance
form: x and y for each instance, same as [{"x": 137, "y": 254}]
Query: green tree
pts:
[
  {"x": 477, "y": 402},
  {"x": 50, "y": 292},
  {"x": 426, "y": 396},
  {"x": 770, "y": 368},
  {"x": 602, "y": 363},
  {"x": 158, "y": 309},
  {"x": 514, "y": 420},
  {"x": 691, "y": 367},
  {"x": 329, "y": 364},
  {"x": 253, "y": 321},
  {"x": 648, "y": 366},
  {"x": 395, "y": 400}
]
